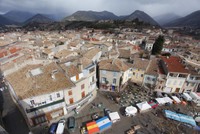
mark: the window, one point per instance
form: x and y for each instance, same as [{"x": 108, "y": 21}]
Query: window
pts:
[
  {"x": 114, "y": 81},
  {"x": 71, "y": 101},
  {"x": 82, "y": 86},
  {"x": 39, "y": 120},
  {"x": 92, "y": 78},
  {"x": 91, "y": 70},
  {"x": 103, "y": 71},
  {"x": 69, "y": 93},
  {"x": 180, "y": 83},
  {"x": 175, "y": 82},
  {"x": 169, "y": 82},
  {"x": 58, "y": 95},
  {"x": 32, "y": 102},
  {"x": 83, "y": 94},
  {"x": 50, "y": 98},
  {"x": 103, "y": 80},
  {"x": 114, "y": 74}
]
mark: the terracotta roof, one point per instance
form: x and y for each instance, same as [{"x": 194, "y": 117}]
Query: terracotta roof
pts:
[
  {"x": 71, "y": 70},
  {"x": 91, "y": 53},
  {"x": 153, "y": 67},
  {"x": 174, "y": 64},
  {"x": 63, "y": 53},
  {"x": 140, "y": 63},
  {"x": 25, "y": 85},
  {"x": 124, "y": 53},
  {"x": 113, "y": 65}
]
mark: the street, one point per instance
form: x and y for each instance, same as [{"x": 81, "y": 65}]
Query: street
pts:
[{"x": 12, "y": 118}]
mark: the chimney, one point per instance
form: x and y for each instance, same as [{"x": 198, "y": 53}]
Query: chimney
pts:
[{"x": 80, "y": 65}]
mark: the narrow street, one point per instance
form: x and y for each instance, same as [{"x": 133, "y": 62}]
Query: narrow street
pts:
[{"x": 12, "y": 118}]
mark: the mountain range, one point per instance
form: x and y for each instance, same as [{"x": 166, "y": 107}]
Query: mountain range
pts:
[
  {"x": 38, "y": 18},
  {"x": 91, "y": 16},
  {"x": 166, "y": 20},
  {"x": 191, "y": 20}
]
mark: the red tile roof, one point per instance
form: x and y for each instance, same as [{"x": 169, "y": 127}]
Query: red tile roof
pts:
[{"x": 174, "y": 64}]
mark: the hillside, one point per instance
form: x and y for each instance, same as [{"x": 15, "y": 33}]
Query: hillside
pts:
[
  {"x": 191, "y": 20},
  {"x": 38, "y": 18},
  {"x": 91, "y": 16},
  {"x": 142, "y": 16}
]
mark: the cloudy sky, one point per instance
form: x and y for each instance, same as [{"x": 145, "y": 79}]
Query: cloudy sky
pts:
[{"x": 119, "y": 7}]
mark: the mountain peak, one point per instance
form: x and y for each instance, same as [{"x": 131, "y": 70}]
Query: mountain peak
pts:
[
  {"x": 91, "y": 16},
  {"x": 191, "y": 20},
  {"x": 18, "y": 16},
  {"x": 142, "y": 16},
  {"x": 39, "y": 18}
]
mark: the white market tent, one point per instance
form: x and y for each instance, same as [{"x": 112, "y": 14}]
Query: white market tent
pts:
[
  {"x": 143, "y": 106},
  {"x": 130, "y": 110},
  {"x": 176, "y": 99},
  {"x": 168, "y": 100},
  {"x": 114, "y": 116},
  {"x": 161, "y": 101}
]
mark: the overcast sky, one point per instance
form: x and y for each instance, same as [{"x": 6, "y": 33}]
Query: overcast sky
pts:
[{"x": 119, "y": 7}]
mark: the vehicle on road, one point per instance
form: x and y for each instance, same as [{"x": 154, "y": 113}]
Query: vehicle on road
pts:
[
  {"x": 61, "y": 126},
  {"x": 53, "y": 127},
  {"x": 71, "y": 123}
]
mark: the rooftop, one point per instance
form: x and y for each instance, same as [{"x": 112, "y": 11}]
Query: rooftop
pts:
[
  {"x": 140, "y": 63},
  {"x": 26, "y": 85},
  {"x": 174, "y": 64},
  {"x": 113, "y": 65},
  {"x": 153, "y": 67}
]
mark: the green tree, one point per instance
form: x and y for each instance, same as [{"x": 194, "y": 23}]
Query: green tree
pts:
[{"x": 158, "y": 45}]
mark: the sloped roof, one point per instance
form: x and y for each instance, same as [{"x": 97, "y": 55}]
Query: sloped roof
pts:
[
  {"x": 174, "y": 64},
  {"x": 124, "y": 53},
  {"x": 26, "y": 86},
  {"x": 91, "y": 53},
  {"x": 153, "y": 67},
  {"x": 113, "y": 65},
  {"x": 140, "y": 63}
]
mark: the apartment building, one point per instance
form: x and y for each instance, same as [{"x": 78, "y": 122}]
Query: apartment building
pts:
[{"x": 113, "y": 73}]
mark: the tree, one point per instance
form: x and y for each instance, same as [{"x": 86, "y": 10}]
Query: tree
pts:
[{"x": 158, "y": 45}]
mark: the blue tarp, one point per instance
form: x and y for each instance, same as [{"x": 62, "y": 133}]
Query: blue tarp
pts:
[
  {"x": 103, "y": 123},
  {"x": 180, "y": 117}
]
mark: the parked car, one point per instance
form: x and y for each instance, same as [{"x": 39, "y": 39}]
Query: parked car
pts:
[
  {"x": 71, "y": 123},
  {"x": 106, "y": 111},
  {"x": 61, "y": 126},
  {"x": 53, "y": 127}
]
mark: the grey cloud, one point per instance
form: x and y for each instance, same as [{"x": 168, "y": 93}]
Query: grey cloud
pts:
[{"x": 119, "y": 7}]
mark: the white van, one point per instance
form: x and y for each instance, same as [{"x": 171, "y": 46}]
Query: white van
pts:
[
  {"x": 187, "y": 97},
  {"x": 195, "y": 97},
  {"x": 61, "y": 127}
]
